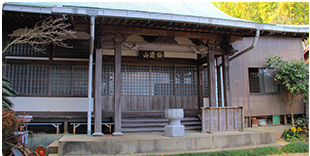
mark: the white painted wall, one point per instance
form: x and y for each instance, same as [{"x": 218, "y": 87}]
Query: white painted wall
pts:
[{"x": 50, "y": 104}]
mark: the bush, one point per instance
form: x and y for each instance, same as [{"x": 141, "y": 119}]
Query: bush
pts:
[{"x": 296, "y": 147}]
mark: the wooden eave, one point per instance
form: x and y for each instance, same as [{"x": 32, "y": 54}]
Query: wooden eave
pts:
[{"x": 14, "y": 20}]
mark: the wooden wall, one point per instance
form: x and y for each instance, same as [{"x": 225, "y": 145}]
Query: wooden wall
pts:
[
  {"x": 133, "y": 103},
  {"x": 262, "y": 104}
]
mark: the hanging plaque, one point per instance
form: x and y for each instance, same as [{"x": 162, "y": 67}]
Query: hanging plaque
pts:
[{"x": 151, "y": 55}]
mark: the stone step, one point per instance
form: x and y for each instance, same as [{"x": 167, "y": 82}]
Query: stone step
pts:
[
  {"x": 147, "y": 143},
  {"x": 53, "y": 147}
]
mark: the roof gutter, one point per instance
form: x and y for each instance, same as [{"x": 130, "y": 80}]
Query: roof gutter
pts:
[{"x": 247, "y": 49}]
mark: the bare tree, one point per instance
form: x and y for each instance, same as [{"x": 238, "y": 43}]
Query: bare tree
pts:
[{"x": 49, "y": 31}]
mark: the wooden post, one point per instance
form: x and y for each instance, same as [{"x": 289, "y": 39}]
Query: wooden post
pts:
[
  {"x": 211, "y": 76},
  {"x": 66, "y": 125},
  {"x": 219, "y": 84},
  {"x": 226, "y": 81},
  {"x": 117, "y": 87},
  {"x": 98, "y": 96},
  {"x": 200, "y": 84},
  {"x": 285, "y": 119}
]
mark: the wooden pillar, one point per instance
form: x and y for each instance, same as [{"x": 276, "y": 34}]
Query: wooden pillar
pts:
[
  {"x": 66, "y": 125},
  {"x": 98, "y": 96},
  {"x": 117, "y": 87},
  {"x": 219, "y": 84},
  {"x": 211, "y": 76},
  {"x": 226, "y": 81},
  {"x": 200, "y": 84}
]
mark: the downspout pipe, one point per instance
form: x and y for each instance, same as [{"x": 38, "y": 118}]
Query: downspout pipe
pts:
[
  {"x": 247, "y": 49},
  {"x": 90, "y": 73}
]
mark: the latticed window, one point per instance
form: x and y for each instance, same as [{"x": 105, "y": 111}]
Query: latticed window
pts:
[
  {"x": 48, "y": 80},
  {"x": 73, "y": 80},
  {"x": 135, "y": 79},
  {"x": 162, "y": 80},
  {"x": 61, "y": 80},
  {"x": 186, "y": 81},
  {"x": 205, "y": 83},
  {"x": 27, "y": 50},
  {"x": 107, "y": 79},
  {"x": 79, "y": 80}
]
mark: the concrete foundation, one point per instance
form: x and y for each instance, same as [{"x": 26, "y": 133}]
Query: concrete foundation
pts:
[{"x": 145, "y": 143}]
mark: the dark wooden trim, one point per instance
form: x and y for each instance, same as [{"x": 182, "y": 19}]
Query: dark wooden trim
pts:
[
  {"x": 97, "y": 90},
  {"x": 219, "y": 84},
  {"x": 117, "y": 87},
  {"x": 211, "y": 76},
  {"x": 47, "y": 62},
  {"x": 164, "y": 47},
  {"x": 52, "y": 52},
  {"x": 144, "y": 31},
  {"x": 165, "y": 61},
  {"x": 226, "y": 81}
]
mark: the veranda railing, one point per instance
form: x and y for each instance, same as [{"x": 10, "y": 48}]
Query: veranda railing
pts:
[{"x": 215, "y": 119}]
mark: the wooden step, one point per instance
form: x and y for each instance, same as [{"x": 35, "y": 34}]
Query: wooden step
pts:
[{"x": 156, "y": 124}]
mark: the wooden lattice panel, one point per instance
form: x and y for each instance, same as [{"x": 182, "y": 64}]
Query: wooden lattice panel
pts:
[
  {"x": 230, "y": 119},
  {"x": 222, "y": 120},
  {"x": 238, "y": 115},
  {"x": 216, "y": 119},
  {"x": 206, "y": 120}
]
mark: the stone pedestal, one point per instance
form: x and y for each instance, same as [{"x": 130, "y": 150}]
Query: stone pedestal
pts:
[{"x": 174, "y": 129}]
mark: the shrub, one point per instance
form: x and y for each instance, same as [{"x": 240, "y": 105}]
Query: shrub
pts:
[{"x": 296, "y": 147}]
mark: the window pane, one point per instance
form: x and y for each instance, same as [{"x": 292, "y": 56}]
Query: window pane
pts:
[
  {"x": 269, "y": 84},
  {"x": 254, "y": 80}
]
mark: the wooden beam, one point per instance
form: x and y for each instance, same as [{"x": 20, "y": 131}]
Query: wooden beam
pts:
[
  {"x": 226, "y": 81},
  {"x": 98, "y": 96},
  {"x": 117, "y": 88},
  {"x": 211, "y": 76},
  {"x": 145, "y": 31},
  {"x": 164, "y": 47}
]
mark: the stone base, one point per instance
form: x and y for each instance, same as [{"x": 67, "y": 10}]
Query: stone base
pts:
[
  {"x": 98, "y": 134},
  {"x": 117, "y": 134},
  {"x": 174, "y": 130}
]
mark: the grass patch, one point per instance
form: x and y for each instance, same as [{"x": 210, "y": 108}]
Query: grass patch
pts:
[
  {"x": 296, "y": 147},
  {"x": 261, "y": 151}
]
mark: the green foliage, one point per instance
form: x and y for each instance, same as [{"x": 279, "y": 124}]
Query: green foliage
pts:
[
  {"x": 296, "y": 147},
  {"x": 293, "y": 75},
  {"x": 293, "y": 13},
  {"x": 254, "y": 152},
  {"x": 267, "y": 151},
  {"x": 7, "y": 91}
]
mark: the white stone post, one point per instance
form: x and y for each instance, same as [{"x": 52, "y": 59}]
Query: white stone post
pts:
[{"x": 174, "y": 129}]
